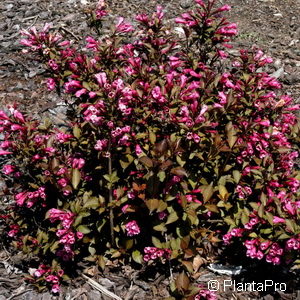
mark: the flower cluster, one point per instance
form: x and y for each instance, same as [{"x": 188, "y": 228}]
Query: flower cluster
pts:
[
  {"x": 132, "y": 228},
  {"x": 52, "y": 277},
  {"x": 30, "y": 198},
  {"x": 67, "y": 236},
  {"x": 152, "y": 253},
  {"x": 205, "y": 294}
]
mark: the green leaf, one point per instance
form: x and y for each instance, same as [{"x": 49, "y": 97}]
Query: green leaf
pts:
[
  {"x": 92, "y": 250},
  {"x": 77, "y": 220},
  {"x": 112, "y": 178},
  {"x": 92, "y": 203},
  {"x": 236, "y": 176},
  {"x": 156, "y": 242},
  {"x": 160, "y": 227},
  {"x": 76, "y": 131},
  {"x": 283, "y": 236},
  {"x": 269, "y": 217},
  {"x": 180, "y": 161},
  {"x": 54, "y": 246},
  {"x": 261, "y": 211},
  {"x": 161, "y": 175},
  {"x": 207, "y": 191},
  {"x": 84, "y": 229},
  {"x": 223, "y": 191},
  {"x": 254, "y": 205},
  {"x": 263, "y": 199},
  {"x": 137, "y": 256},
  {"x": 231, "y": 134},
  {"x": 290, "y": 225},
  {"x": 229, "y": 221},
  {"x": 86, "y": 85},
  {"x": 152, "y": 137},
  {"x": 152, "y": 204},
  {"x": 76, "y": 177},
  {"x": 173, "y": 217},
  {"x": 244, "y": 218}
]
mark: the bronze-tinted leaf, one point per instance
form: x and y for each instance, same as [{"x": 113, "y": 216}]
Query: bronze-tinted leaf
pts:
[
  {"x": 162, "y": 146},
  {"x": 182, "y": 282},
  {"x": 231, "y": 134},
  {"x": 152, "y": 204},
  {"x": 207, "y": 191},
  {"x": 76, "y": 177},
  {"x": 166, "y": 164},
  {"x": 146, "y": 161},
  {"x": 179, "y": 171}
]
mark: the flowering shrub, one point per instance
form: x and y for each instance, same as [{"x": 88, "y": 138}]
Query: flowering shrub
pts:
[{"x": 171, "y": 148}]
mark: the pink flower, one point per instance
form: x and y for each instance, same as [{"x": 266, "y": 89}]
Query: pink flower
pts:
[
  {"x": 8, "y": 169},
  {"x": 101, "y": 144},
  {"x": 78, "y": 163},
  {"x": 123, "y": 27},
  {"x": 132, "y": 228},
  {"x": 3, "y": 115},
  {"x": 293, "y": 244},
  {"x": 62, "y": 182},
  {"x": 138, "y": 150},
  {"x": 3, "y": 152},
  {"x": 63, "y": 137},
  {"x": 277, "y": 220},
  {"x": 265, "y": 245},
  {"x": 101, "y": 78},
  {"x": 72, "y": 86},
  {"x": 228, "y": 30},
  {"x": 100, "y": 10},
  {"x": 206, "y": 294},
  {"x": 80, "y": 92},
  {"x": 21, "y": 197},
  {"x": 224, "y": 8},
  {"x": 162, "y": 215},
  {"x": 159, "y": 12},
  {"x": 39, "y": 273}
]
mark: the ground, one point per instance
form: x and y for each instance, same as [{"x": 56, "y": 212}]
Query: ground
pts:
[{"x": 273, "y": 25}]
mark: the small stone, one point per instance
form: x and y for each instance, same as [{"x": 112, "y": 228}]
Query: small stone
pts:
[
  {"x": 279, "y": 73},
  {"x": 106, "y": 282},
  {"x": 9, "y": 6},
  {"x": 94, "y": 295},
  {"x": 46, "y": 296},
  {"x": 291, "y": 79},
  {"x": 185, "y": 4}
]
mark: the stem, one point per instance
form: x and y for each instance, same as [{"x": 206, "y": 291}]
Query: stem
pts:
[{"x": 111, "y": 213}]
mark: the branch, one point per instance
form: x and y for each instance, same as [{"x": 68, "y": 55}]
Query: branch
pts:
[{"x": 111, "y": 213}]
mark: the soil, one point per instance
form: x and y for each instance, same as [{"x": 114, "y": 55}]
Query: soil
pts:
[{"x": 273, "y": 25}]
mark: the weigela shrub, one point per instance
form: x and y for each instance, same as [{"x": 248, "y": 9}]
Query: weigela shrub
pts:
[{"x": 171, "y": 148}]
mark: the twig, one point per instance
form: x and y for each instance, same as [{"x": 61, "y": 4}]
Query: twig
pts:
[
  {"x": 18, "y": 294},
  {"x": 130, "y": 292},
  {"x": 7, "y": 280},
  {"x": 78, "y": 294},
  {"x": 34, "y": 21},
  {"x": 70, "y": 32},
  {"x": 111, "y": 213},
  {"x": 29, "y": 18},
  {"x": 170, "y": 266},
  {"x": 101, "y": 288}
]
